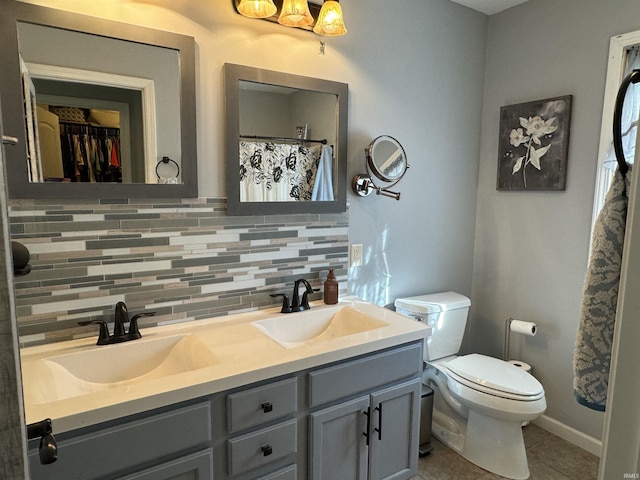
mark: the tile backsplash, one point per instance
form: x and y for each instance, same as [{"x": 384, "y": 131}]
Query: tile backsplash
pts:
[{"x": 184, "y": 259}]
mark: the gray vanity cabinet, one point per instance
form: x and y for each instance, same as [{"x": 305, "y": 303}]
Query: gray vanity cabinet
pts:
[
  {"x": 309, "y": 424},
  {"x": 373, "y": 433}
]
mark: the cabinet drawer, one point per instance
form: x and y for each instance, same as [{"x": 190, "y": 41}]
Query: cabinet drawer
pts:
[
  {"x": 288, "y": 473},
  {"x": 118, "y": 448},
  {"x": 256, "y": 449},
  {"x": 262, "y": 404},
  {"x": 196, "y": 466},
  {"x": 350, "y": 378}
]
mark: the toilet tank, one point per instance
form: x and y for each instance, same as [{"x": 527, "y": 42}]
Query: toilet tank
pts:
[{"x": 446, "y": 314}]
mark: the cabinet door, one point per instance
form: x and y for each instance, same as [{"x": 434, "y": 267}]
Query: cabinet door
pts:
[
  {"x": 198, "y": 466},
  {"x": 338, "y": 443},
  {"x": 395, "y": 420}
]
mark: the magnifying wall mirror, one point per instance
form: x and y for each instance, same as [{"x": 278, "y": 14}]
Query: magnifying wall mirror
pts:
[
  {"x": 387, "y": 161},
  {"x": 105, "y": 104},
  {"x": 285, "y": 142}
]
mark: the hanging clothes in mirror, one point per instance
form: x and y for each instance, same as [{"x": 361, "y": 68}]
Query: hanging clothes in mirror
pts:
[{"x": 90, "y": 154}]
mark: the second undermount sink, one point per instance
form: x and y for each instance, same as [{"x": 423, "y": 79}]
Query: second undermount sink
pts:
[
  {"x": 296, "y": 329},
  {"x": 104, "y": 367}
]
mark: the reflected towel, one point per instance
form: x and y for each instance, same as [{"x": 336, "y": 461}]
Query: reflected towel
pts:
[
  {"x": 323, "y": 185},
  {"x": 592, "y": 355}
]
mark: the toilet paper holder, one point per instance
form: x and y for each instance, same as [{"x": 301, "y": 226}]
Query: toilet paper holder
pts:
[{"x": 526, "y": 328}]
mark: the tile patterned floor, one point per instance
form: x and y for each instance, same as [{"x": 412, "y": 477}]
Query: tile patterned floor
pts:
[{"x": 550, "y": 458}]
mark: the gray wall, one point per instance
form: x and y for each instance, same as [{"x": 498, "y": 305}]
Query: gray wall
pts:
[
  {"x": 421, "y": 84},
  {"x": 531, "y": 248}
]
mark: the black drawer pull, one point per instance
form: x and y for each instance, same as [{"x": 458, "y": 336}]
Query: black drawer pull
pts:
[
  {"x": 267, "y": 407},
  {"x": 266, "y": 450}
]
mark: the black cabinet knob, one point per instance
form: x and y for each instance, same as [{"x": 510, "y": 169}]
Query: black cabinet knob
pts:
[
  {"x": 266, "y": 450},
  {"x": 267, "y": 407}
]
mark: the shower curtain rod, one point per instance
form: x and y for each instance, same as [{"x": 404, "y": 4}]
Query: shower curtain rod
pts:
[{"x": 285, "y": 139}]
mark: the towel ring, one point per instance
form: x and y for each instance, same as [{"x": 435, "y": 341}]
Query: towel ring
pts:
[
  {"x": 167, "y": 170},
  {"x": 633, "y": 77}
]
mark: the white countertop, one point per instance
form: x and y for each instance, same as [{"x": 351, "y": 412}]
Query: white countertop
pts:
[{"x": 243, "y": 355}]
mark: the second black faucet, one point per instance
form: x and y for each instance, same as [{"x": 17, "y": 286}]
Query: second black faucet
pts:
[
  {"x": 296, "y": 305},
  {"x": 121, "y": 316}
]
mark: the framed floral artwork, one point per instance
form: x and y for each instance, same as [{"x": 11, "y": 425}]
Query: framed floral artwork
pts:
[{"x": 534, "y": 143}]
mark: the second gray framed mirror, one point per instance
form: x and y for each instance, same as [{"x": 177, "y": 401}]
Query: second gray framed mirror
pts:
[{"x": 286, "y": 142}]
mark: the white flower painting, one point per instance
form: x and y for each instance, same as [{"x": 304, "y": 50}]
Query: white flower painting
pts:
[{"x": 534, "y": 139}]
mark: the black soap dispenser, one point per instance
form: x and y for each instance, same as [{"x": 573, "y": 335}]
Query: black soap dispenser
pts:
[{"x": 331, "y": 289}]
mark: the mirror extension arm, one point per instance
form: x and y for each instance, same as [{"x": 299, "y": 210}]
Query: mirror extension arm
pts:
[{"x": 363, "y": 186}]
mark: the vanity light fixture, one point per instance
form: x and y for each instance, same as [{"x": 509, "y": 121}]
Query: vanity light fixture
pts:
[
  {"x": 330, "y": 22},
  {"x": 298, "y": 14},
  {"x": 295, "y": 13},
  {"x": 256, "y": 8}
]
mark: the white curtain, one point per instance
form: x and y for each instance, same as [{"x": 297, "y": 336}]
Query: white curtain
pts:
[{"x": 277, "y": 172}]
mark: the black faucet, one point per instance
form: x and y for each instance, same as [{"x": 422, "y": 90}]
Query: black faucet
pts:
[
  {"x": 296, "y": 305},
  {"x": 121, "y": 317}
]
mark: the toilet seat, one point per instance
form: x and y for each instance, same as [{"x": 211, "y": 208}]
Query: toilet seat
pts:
[{"x": 494, "y": 377}]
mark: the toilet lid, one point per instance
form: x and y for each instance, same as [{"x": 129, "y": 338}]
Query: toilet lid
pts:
[{"x": 495, "y": 374}]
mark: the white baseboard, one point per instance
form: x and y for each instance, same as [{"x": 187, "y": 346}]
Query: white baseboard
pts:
[{"x": 570, "y": 434}]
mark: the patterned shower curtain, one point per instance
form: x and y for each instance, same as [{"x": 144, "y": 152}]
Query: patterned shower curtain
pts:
[{"x": 277, "y": 172}]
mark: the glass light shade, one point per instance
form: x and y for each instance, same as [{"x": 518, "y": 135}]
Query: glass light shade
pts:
[
  {"x": 330, "y": 21},
  {"x": 295, "y": 13},
  {"x": 257, "y": 8}
]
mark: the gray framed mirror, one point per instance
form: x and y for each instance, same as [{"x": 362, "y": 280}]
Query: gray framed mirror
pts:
[
  {"x": 129, "y": 90},
  {"x": 286, "y": 147}
]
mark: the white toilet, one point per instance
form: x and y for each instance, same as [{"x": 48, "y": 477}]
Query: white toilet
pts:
[{"x": 480, "y": 402}]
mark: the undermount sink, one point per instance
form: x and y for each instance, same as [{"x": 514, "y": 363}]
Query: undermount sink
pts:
[
  {"x": 104, "y": 367},
  {"x": 296, "y": 329}
]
